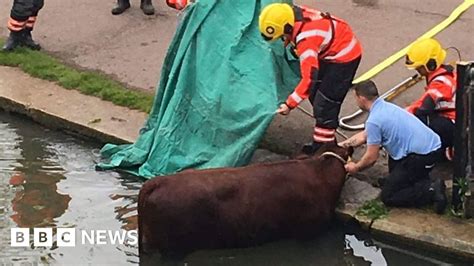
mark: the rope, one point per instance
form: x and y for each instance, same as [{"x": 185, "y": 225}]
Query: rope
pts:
[
  {"x": 429, "y": 34},
  {"x": 332, "y": 154}
]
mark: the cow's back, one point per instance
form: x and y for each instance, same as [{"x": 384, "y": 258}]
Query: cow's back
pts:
[{"x": 235, "y": 207}]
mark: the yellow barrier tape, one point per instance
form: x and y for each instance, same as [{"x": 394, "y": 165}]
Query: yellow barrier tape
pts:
[{"x": 438, "y": 28}]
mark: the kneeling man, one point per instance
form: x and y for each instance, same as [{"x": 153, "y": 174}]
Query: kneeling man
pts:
[{"x": 412, "y": 146}]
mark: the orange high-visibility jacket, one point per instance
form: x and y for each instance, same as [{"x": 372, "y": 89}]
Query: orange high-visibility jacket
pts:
[
  {"x": 441, "y": 88},
  {"x": 319, "y": 36},
  {"x": 177, "y": 4}
]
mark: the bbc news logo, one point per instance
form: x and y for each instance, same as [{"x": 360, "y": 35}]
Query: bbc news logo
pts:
[{"x": 67, "y": 237}]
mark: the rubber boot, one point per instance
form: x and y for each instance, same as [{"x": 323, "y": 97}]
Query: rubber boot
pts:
[
  {"x": 28, "y": 40},
  {"x": 13, "y": 41},
  {"x": 439, "y": 198},
  {"x": 147, "y": 7},
  {"x": 120, "y": 7},
  {"x": 381, "y": 181}
]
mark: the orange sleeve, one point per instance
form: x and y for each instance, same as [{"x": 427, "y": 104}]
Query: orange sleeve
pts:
[
  {"x": 437, "y": 91},
  {"x": 309, "y": 64},
  {"x": 412, "y": 108}
]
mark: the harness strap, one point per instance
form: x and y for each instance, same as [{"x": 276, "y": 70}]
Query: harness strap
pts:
[
  {"x": 339, "y": 158},
  {"x": 332, "y": 154},
  {"x": 326, "y": 15},
  {"x": 447, "y": 70}
]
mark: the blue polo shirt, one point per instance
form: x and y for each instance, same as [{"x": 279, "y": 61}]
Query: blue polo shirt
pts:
[{"x": 398, "y": 131}]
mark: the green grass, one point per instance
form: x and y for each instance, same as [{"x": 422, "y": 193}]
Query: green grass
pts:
[
  {"x": 43, "y": 66},
  {"x": 373, "y": 209}
]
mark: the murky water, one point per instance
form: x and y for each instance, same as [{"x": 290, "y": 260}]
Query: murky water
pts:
[
  {"x": 47, "y": 179},
  {"x": 60, "y": 188}
]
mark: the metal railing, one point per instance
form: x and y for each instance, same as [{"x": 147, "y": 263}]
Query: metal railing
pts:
[{"x": 463, "y": 166}]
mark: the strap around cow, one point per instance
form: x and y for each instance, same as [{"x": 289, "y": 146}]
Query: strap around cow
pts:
[{"x": 332, "y": 154}]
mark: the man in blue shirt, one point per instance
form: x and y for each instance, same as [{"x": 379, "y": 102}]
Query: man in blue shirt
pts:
[{"x": 412, "y": 146}]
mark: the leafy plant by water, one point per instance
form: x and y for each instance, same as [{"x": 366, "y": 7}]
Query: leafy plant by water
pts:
[
  {"x": 463, "y": 187},
  {"x": 40, "y": 65},
  {"x": 373, "y": 209}
]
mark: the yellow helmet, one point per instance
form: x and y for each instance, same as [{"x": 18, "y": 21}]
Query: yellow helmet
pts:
[
  {"x": 426, "y": 52},
  {"x": 276, "y": 20}
]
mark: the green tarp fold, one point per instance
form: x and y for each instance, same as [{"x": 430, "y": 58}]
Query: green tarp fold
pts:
[{"x": 220, "y": 86}]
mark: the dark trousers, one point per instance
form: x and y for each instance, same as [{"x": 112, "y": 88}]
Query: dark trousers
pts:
[
  {"x": 328, "y": 93},
  {"x": 442, "y": 126},
  {"x": 23, "y": 9},
  {"x": 408, "y": 183}
]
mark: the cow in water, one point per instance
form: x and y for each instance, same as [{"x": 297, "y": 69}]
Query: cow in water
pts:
[{"x": 239, "y": 207}]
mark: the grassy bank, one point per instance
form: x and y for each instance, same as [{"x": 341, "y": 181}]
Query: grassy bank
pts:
[{"x": 43, "y": 66}]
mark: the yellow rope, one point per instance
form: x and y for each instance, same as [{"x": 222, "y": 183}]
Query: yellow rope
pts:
[{"x": 438, "y": 28}]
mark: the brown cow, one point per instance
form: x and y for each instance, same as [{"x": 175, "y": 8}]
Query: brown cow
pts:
[{"x": 238, "y": 207}]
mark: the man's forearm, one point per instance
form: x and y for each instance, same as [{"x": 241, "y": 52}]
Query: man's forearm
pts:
[
  {"x": 365, "y": 162},
  {"x": 357, "y": 140},
  {"x": 369, "y": 158}
]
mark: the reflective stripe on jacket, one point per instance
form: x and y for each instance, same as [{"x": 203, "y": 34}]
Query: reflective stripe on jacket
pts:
[{"x": 441, "y": 87}]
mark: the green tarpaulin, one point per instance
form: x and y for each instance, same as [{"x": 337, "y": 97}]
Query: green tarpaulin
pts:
[{"x": 220, "y": 86}]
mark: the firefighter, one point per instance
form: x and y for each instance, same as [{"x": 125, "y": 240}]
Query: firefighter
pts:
[
  {"x": 122, "y": 5},
  {"x": 21, "y": 23},
  {"x": 437, "y": 106},
  {"x": 329, "y": 55}
]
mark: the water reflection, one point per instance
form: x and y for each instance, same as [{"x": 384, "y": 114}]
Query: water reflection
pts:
[
  {"x": 39, "y": 202},
  {"x": 48, "y": 180},
  {"x": 127, "y": 214},
  {"x": 328, "y": 249},
  {"x": 342, "y": 244}
]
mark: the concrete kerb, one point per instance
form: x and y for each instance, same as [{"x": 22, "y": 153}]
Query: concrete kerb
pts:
[
  {"x": 68, "y": 110},
  {"x": 418, "y": 235},
  {"x": 20, "y": 93},
  {"x": 58, "y": 123}
]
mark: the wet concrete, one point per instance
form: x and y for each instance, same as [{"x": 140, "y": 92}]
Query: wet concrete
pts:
[{"x": 356, "y": 192}]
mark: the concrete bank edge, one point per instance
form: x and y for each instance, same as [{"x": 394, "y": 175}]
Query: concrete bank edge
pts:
[{"x": 386, "y": 228}]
